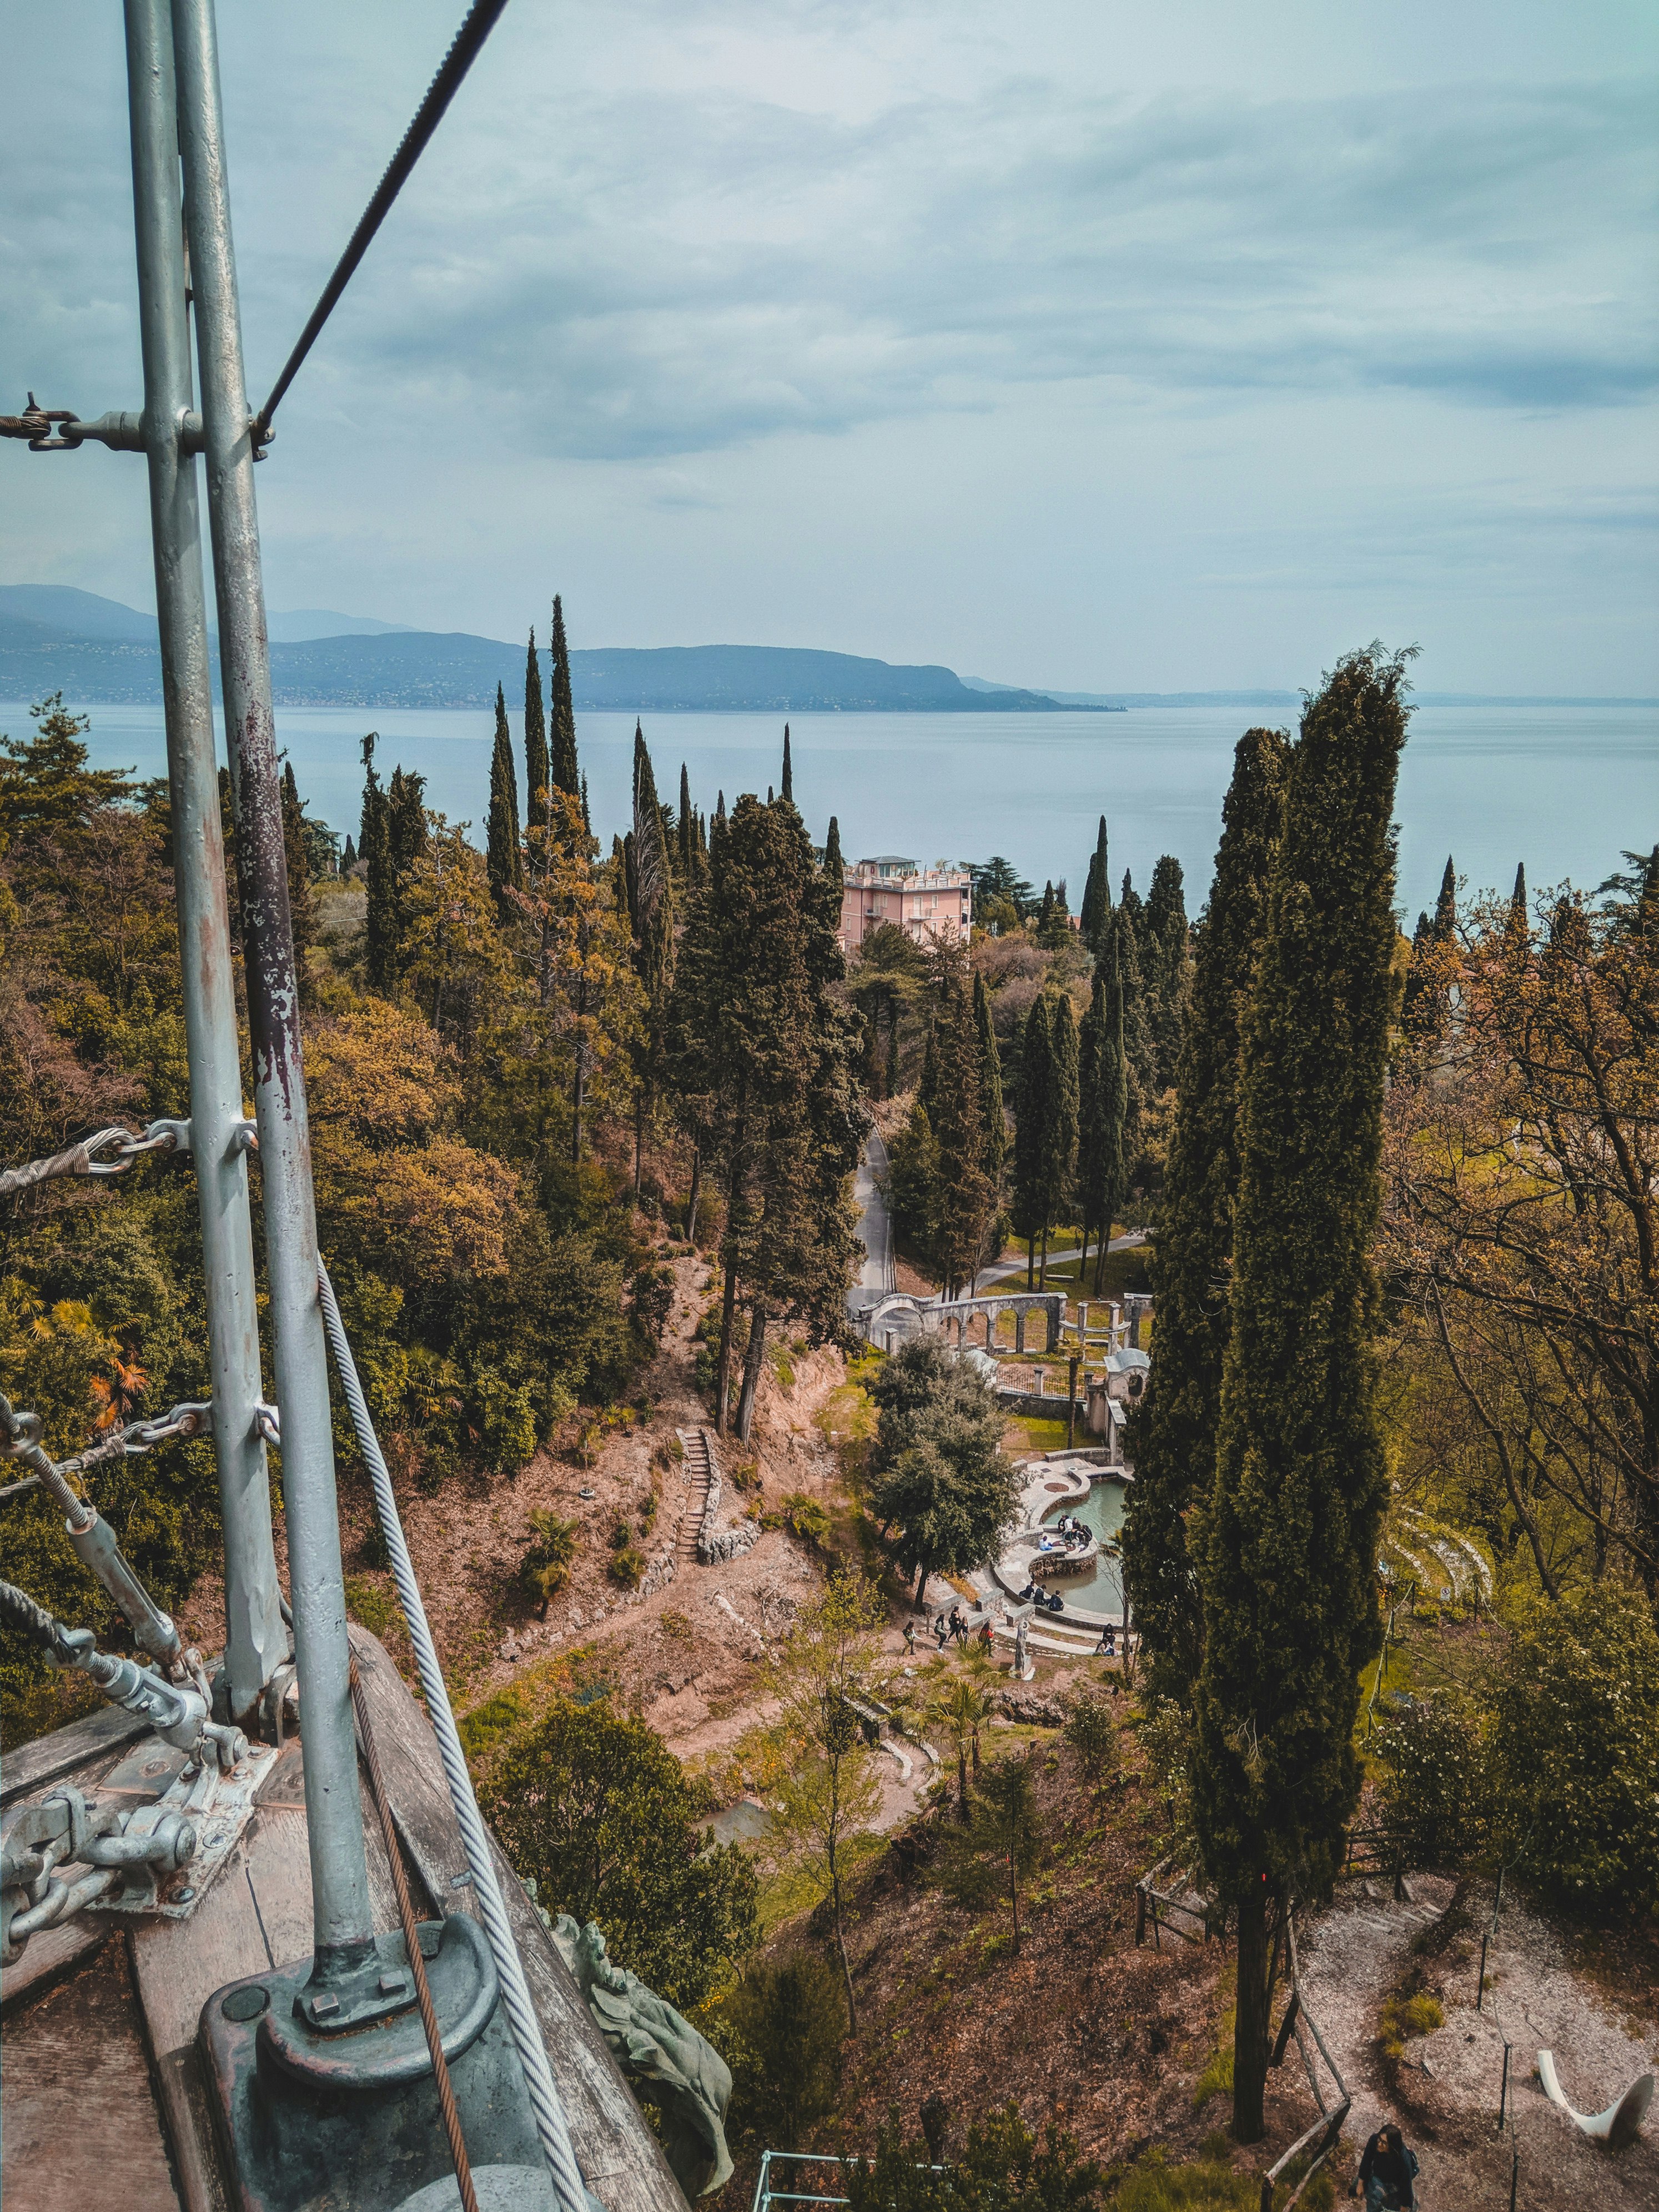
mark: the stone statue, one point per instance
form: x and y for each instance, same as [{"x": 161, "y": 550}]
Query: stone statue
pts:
[
  {"x": 649, "y": 2039},
  {"x": 1024, "y": 1670}
]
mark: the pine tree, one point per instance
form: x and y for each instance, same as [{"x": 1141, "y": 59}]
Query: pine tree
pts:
[
  {"x": 1059, "y": 1136},
  {"x": 505, "y": 855},
  {"x": 788, "y": 770},
  {"x": 1095, "y": 913},
  {"x": 1287, "y": 1548},
  {"x": 1033, "y": 1114},
  {"x": 302, "y": 899},
  {"x": 764, "y": 1056},
  {"x": 562, "y": 718},
  {"x": 1173, "y": 1431}
]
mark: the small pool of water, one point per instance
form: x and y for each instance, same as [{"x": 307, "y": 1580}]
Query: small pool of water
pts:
[{"x": 1101, "y": 1590}]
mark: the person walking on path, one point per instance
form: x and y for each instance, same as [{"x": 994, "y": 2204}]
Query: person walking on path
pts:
[
  {"x": 1388, "y": 2173},
  {"x": 942, "y": 1631},
  {"x": 910, "y": 1638}
]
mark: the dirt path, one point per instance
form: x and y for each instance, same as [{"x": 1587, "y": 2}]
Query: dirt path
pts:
[{"x": 1444, "y": 2092}]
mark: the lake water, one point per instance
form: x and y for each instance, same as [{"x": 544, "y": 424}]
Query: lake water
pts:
[{"x": 1563, "y": 788}]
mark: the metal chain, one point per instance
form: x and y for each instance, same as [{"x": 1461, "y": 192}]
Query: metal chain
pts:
[
  {"x": 20, "y": 1438},
  {"x": 79, "y": 1159}
]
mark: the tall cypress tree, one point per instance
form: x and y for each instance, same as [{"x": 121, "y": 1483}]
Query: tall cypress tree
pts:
[
  {"x": 1173, "y": 1431},
  {"x": 1103, "y": 1112},
  {"x": 302, "y": 900},
  {"x": 505, "y": 855},
  {"x": 1426, "y": 1003},
  {"x": 686, "y": 829},
  {"x": 789, "y": 788},
  {"x": 1033, "y": 1114},
  {"x": 381, "y": 922},
  {"x": 957, "y": 1118},
  {"x": 535, "y": 756},
  {"x": 1095, "y": 914},
  {"x": 1288, "y": 1545},
  {"x": 1168, "y": 967},
  {"x": 1060, "y": 1137},
  {"x": 651, "y": 915},
  {"x": 990, "y": 1090},
  {"x": 562, "y": 731}
]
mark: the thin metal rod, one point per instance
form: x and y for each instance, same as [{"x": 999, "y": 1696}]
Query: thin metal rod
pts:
[
  {"x": 256, "y": 1641},
  {"x": 342, "y": 1923},
  {"x": 434, "y": 2035},
  {"x": 480, "y": 20}
]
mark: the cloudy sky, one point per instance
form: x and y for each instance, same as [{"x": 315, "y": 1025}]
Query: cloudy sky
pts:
[{"x": 1074, "y": 343}]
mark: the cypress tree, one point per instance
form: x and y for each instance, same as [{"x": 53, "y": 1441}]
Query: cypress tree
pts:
[
  {"x": 562, "y": 731},
  {"x": 834, "y": 868},
  {"x": 687, "y": 828},
  {"x": 1168, "y": 968},
  {"x": 788, "y": 770},
  {"x": 1060, "y": 1140},
  {"x": 1103, "y": 1112},
  {"x": 380, "y": 923},
  {"x": 371, "y": 739},
  {"x": 406, "y": 842},
  {"x": 1095, "y": 914},
  {"x": 348, "y": 858},
  {"x": 956, "y": 1117},
  {"x": 535, "y": 755},
  {"x": 1288, "y": 1546},
  {"x": 990, "y": 1090},
  {"x": 506, "y": 859},
  {"x": 1426, "y": 1003},
  {"x": 1138, "y": 1050},
  {"x": 302, "y": 900},
  {"x": 651, "y": 916},
  {"x": 1032, "y": 1116},
  {"x": 1173, "y": 1431}
]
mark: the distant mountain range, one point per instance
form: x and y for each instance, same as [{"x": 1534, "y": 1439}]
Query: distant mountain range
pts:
[
  {"x": 97, "y": 652},
  {"x": 53, "y": 638}
]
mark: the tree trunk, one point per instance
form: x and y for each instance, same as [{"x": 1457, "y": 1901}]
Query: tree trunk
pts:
[
  {"x": 921, "y": 1583},
  {"x": 1250, "y": 2016},
  {"x": 1030, "y": 1262},
  {"x": 723, "y": 1365},
  {"x": 576, "y": 1100},
  {"x": 692, "y": 1202},
  {"x": 1043, "y": 1272},
  {"x": 841, "y": 1945},
  {"x": 752, "y": 1370},
  {"x": 962, "y": 1782},
  {"x": 639, "y": 1136},
  {"x": 1013, "y": 1897}
]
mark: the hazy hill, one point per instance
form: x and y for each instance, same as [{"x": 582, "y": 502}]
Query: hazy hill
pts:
[{"x": 55, "y": 639}]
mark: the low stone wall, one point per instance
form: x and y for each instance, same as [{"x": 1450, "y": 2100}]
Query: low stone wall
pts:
[
  {"x": 1039, "y": 1406},
  {"x": 717, "y": 1547}
]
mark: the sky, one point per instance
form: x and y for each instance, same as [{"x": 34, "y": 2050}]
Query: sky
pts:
[{"x": 1076, "y": 343}]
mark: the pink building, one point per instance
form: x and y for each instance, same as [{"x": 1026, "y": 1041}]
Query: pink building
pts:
[{"x": 924, "y": 902}]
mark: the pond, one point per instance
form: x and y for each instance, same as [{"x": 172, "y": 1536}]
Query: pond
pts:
[{"x": 1100, "y": 1590}]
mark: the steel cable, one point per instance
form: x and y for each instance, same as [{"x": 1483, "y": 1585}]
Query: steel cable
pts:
[
  {"x": 550, "y": 2124},
  {"x": 480, "y": 20},
  {"x": 434, "y": 2035}
]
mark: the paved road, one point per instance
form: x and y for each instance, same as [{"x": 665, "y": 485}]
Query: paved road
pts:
[
  {"x": 1129, "y": 1241},
  {"x": 874, "y": 1228}
]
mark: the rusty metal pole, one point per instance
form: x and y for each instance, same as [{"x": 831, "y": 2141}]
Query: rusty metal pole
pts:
[
  {"x": 256, "y": 1641},
  {"x": 339, "y": 1880}
]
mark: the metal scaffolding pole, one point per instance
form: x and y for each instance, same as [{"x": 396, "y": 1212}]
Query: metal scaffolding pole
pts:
[
  {"x": 256, "y": 1641},
  {"x": 339, "y": 1880}
]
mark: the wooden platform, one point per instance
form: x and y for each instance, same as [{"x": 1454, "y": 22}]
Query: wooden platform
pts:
[{"x": 100, "y": 2100}]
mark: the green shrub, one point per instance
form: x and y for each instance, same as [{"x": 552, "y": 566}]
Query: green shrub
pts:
[
  {"x": 1092, "y": 1732},
  {"x": 1436, "y": 1783},
  {"x": 1575, "y": 1748},
  {"x": 781, "y": 2032},
  {"x": 627, "y": 1566},
  {"x": 807, "y": 1518},
  {"x": 546, "y": 1565},
  {"x": 1001, "y": 2169},
  {"x": 597, "y": 1811}
]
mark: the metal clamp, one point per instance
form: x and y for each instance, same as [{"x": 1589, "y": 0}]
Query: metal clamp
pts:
[{"x": 269, "y": 1422}]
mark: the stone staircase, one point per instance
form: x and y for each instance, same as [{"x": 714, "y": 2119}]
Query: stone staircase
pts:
[{"x": 699, "y": 1476}]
